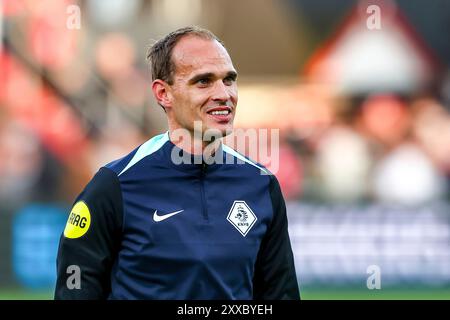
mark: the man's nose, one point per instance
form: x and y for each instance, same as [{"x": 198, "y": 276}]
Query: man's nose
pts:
[{"x": 221, "y": 92}]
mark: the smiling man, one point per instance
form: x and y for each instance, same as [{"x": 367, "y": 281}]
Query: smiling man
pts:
[
  {"x": 157, "y": 228},
  {"x": 198, "y": 87}
]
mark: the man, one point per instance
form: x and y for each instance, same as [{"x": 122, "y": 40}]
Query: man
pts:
[{"x": 151, "y": 227}]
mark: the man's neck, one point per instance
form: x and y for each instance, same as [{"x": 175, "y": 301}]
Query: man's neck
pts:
[{"x": 195, "y": 145}]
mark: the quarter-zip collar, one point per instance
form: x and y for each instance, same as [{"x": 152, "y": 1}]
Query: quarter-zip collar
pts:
[{"x": 185, "y": 161}]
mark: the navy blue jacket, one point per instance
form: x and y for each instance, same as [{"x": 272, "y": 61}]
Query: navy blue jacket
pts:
[{"x": 155, "y": 229}]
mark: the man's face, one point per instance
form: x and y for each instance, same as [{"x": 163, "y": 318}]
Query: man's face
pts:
[{"x": 204, "y": 86}]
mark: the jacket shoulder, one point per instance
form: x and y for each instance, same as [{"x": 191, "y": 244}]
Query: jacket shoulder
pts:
[
  {"x": 235, "y": 157},
  {"x": 149, "y": 147}
]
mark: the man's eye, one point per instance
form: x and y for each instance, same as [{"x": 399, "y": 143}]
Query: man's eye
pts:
[
  {"x": 204, "y": 81},
  {"x": 229, "y": 80}
]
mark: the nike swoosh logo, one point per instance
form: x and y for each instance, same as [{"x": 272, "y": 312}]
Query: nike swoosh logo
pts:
[{"x": 159, "y": 218}]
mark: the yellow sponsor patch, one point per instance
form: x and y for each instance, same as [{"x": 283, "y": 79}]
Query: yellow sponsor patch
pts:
[{"x": 79, "y": 221}]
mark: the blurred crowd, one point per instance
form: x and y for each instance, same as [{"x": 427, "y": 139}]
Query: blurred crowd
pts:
[{"x": 382, "y": 148}]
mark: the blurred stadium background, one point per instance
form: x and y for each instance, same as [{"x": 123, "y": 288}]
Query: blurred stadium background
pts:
[{"x": 363, "y": 116}]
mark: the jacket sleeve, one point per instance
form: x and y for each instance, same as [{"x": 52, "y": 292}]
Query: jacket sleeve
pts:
[
  {"x": 89, "y": 244},
  {"x": 275, "y": 277}
]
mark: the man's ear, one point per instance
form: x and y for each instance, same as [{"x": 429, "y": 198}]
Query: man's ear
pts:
[{"x": 162, "y": 93}]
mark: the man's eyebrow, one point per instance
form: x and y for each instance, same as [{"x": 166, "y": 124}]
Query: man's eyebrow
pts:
[
  {"x": 208, "y": 75},
  {"x": 232, "y": 74}
]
